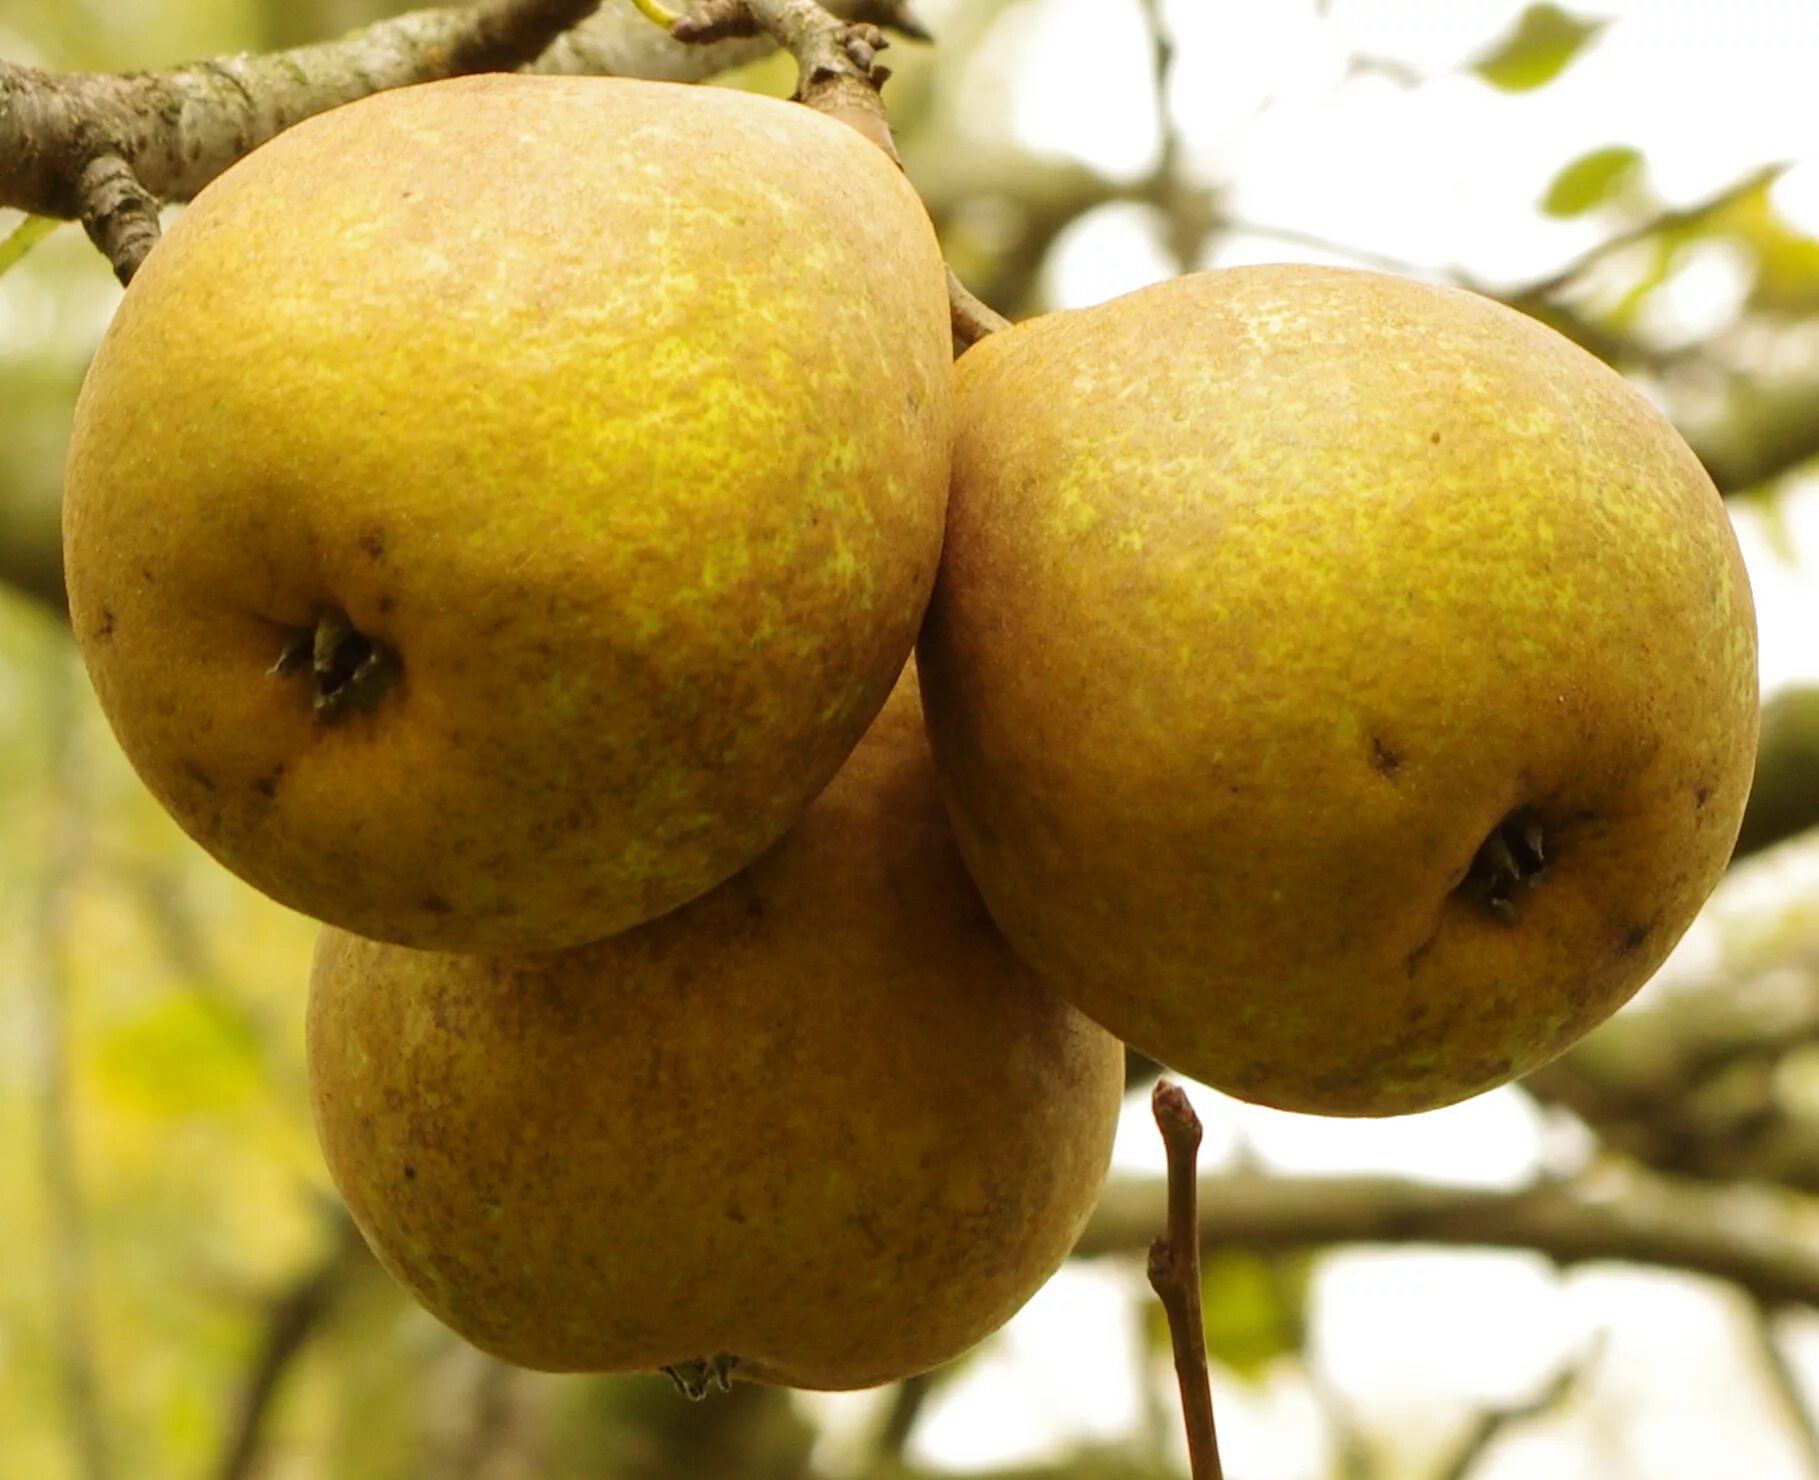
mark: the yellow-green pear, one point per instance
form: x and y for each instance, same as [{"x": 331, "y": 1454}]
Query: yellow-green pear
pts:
[
  {"x": 820, "y": 1127},
  {"x": 1344, "y": 688},
  {"x": 499, "y": 505}
]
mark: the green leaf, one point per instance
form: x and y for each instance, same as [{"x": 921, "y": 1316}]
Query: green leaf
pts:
[
  {"x": 1591, "y": 180},
  {"x": 1255, "y": 1310},
  {"x": 1539, "y": 49},
  {"x": 26, "y": 235}
]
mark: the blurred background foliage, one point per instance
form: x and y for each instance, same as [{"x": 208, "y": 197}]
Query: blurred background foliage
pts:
[{"x": 182, "y": 1296}]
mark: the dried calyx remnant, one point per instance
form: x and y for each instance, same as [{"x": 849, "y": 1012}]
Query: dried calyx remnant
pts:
[
  {"x": 699, "y": 1376},
  {"x": 350, "y": 671},
  {"x": 1510, "y": 860}
]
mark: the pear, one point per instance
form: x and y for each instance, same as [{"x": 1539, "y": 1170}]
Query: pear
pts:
[
  {"x": 819, "y": 1127},
  {"x": 499, "y": 505},
  {"x": 1344, "y": 688}
]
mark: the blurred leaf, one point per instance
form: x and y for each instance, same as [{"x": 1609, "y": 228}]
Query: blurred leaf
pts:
[
  {"x": 26, "y": 235},
  {"x": 1591, "y": 180},
  {"x": 1787, "y": 260},
  {"x": 181, "y": 1057},
  {"x": 1543, "y": 44},
  {"x": 1255, "y": 1310}
]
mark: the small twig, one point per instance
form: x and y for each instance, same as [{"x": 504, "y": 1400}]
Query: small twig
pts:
[
  {"x": 907, "y": 1405},
  {"x": 1493, "y": 1423},
  {"x": 1351, "y": 1452},
  {"x": 1187, "y": 207},
  {"x": 1174, "y": 1272}
]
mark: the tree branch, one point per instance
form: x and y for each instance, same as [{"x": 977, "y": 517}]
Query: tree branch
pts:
[
  {"x": 1491, "y": 1425},
  {"x": 1647, "y": 1220},
  {"x": 295, "y": 1316},
  {"x": 1785, "y": 1381},
  {"x": 172, "y": 132},
  {"x": 106, "y": 149},
  {"x": 1174, "y": 1274}
]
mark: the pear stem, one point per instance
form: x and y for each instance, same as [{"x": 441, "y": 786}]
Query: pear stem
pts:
[
  {"x": 1174, "y": 1273},
  {"x": 972, "y": 318}
]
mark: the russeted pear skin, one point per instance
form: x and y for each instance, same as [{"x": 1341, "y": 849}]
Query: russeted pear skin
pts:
[
  {"x": 500, "y": 504},
  {"x": 1344, "y": 688},
  {"x": 822, "y": 1120}
]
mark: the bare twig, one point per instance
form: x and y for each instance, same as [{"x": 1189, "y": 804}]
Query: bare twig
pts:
[
  {"x": 1634, "y": 1218},
  {"x": 1186, "y": 207},
  {"x": 908, "y": 1402},
  {"x": 71, "y": 1280},
  {"x": 1493, "y": 1423},
  {"x": 295, "y": 1316},
  {"x": 1174, "y": 1273}
]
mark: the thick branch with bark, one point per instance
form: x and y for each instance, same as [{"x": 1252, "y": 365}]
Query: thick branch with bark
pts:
[
  {"x": 177, "y": 130},
  {"x": 106, "y": 148}
]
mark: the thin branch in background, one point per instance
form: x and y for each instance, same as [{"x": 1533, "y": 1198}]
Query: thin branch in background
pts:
[
  {"x": 1668, "y": 220},
  {"x": 1174, "y": 1274},
  {"x": 294, "y": 1317},
  {"x": 909, "y": 1400},
  {"x": 1493, "y": 1423},
  {"x": 1787, "y": 1385},
  {"x": 1625, "y": 1216},
  {"x": 1187, "y": 207},
  {"x": 489, "y": 1438},
  {"x": 71, "y": 1265},
  {"x": 1352, "y": 1457}
]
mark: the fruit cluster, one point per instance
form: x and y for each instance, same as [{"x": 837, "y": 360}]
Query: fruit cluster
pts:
[{"x": 498, "y": 520}]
